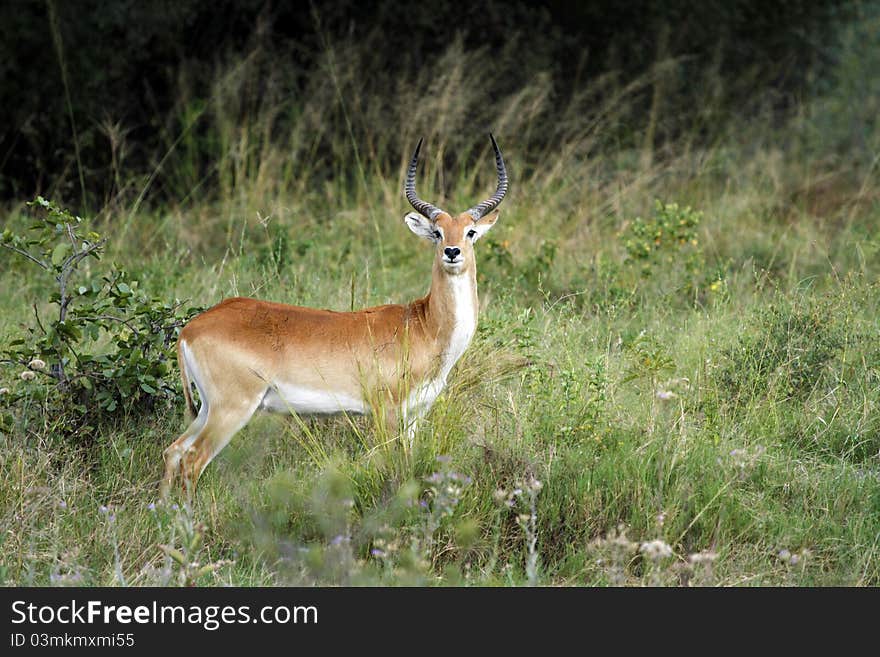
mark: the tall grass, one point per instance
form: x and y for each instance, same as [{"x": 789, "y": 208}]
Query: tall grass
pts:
[{"x": 705, "y": 414}]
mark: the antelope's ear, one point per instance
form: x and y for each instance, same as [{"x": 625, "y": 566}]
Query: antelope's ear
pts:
[
  {"x": 484, "y": 224},
  {"x": 421, "y": 226}
]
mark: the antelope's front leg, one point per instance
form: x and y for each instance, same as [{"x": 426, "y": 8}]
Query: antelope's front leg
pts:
[{"x": 407, "y": 420}]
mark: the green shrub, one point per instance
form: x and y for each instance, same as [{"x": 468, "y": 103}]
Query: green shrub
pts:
[
  {"x": 666, "y": 247},
  {"x": 108, "y": 348}
]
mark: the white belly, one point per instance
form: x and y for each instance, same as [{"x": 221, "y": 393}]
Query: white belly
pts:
[{"x": 306, "y": 401}]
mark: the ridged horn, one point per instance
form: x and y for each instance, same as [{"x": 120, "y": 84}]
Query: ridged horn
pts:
[
  {"x": 422, "y": 207},
  {"x": 492, "y": 202}
]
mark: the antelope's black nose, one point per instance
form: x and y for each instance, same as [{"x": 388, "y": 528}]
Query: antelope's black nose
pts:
[{"x": 452, "y": 252}]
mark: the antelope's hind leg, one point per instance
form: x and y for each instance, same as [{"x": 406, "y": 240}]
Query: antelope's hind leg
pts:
[
  {"x": 175, "y": 451},
  {"x": 224, "y": 420}
]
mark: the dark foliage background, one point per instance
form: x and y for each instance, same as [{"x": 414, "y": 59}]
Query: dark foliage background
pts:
[{"x": 124, "y": 61}]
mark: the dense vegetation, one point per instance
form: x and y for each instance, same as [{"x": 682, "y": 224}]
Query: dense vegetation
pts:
[{"x": 675, "y": 378}]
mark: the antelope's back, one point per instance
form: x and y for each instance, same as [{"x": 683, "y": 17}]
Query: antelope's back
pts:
[{"x": 320, "y": 347}]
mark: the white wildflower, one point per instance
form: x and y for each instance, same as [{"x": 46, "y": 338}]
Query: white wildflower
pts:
[
  {"x": 702, "y": 557},
  {"x": 656, "y": 549},
  {"x": 27, "y": 375},
  {"x": 37, "y": 364}
]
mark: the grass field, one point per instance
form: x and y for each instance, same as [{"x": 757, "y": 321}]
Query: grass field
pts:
[{"x": 675, "y": 378}]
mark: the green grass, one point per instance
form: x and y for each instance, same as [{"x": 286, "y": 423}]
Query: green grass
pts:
[{"x": 720, "y": 395}]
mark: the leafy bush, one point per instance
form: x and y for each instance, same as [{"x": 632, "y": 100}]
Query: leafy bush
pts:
[
  {"x": 108, "y": 348},
  {"x": 666, "y": 246},
  {"x": 662, "y": 236}
]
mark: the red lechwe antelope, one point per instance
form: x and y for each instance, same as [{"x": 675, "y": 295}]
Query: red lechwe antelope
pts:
[{"x": 244, "y": 355}]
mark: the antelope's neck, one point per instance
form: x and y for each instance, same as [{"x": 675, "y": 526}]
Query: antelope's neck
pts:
[{"x": 452, "y": 314}]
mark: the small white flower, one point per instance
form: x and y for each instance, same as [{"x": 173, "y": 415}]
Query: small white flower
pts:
[
  {"x": 703, "y": 557},
  {"x": 4, "y": 391},
  {"x": 665, "y": 395},
  {"x": 37, "y": 364},
  {"x": 656, "y": 549},
  {"x": 27, "y": 375}
]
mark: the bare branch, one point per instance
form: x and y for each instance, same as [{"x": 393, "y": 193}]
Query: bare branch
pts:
[
  {"x": 74, "y": 259},
  {"x": 71, "y": 236},
  {"x": 27, "y": 255},
  {"x": 37, "y": 317},
  {"x": 110, "y": 318}
]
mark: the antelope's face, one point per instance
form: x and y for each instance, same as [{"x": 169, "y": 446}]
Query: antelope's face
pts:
[{"x": 453, "y": 237}]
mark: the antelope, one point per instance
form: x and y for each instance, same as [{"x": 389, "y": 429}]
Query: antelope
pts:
[{"x": 245, "y": 355}]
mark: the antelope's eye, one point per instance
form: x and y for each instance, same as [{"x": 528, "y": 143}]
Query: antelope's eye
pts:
[
  {"x": 437, "y": 234},
  {"x": 472, "y": 233}
]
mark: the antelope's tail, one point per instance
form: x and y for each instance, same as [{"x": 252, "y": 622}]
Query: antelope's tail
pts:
[{"x": 191, "y": 409}]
